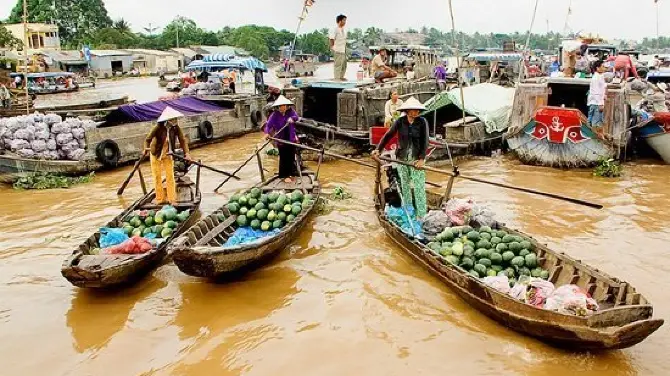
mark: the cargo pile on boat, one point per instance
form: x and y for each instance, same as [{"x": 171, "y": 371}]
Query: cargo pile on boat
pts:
[
  {"x": 45, "y": 137},
  {"x": 203, "y": 88},
  {"x": 154, "y": 224}
]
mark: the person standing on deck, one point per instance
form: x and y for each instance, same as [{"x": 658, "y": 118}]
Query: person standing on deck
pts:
[
  {"x": 338, "y": 44},
  {"x": 159, "y": 144},
  {"x": 440, "y": 74},
  {"x": 5, "y": 96},
  {"x": 282, "y": 116},
  {"x": 412, "y": 131},
  {"x": 380, "y": 70},
  {"x": 624, "y": 67},
  {"x": 596, "y": 98},
  {"x": 391, "y": 108}
]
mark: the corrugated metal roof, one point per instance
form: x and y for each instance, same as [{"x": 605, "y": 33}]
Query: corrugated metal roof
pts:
[
  {"x": 184, "y": 51},
  {"x": 150, "y": 52},
  {"x": 225, "y": 50},
  {"x": 68, "y": 55},
  {"x": 101, "y": 53}
]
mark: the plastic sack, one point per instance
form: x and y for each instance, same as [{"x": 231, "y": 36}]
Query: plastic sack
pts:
[
  {"x": 76, "y": 154},
  {"x": 538, "y": 292},
  {"x": 61, "y": 127},
  {"x": 398, "y": 216},
  {"x": 500, "y": 283},
  {"x": 134, "y": 245},
  {"x": 520, "y": 288},
  {"x": 571, "y": 299},
  {"x": 246, "y": 235},
  {"x": 38, "y": 145},
  {"x": 82, "y": 143},
  {"x": 51, "y": 119},
  {"x": 42, "y": 135},
  {"x": 459, "y": 211},
  {"x": 111, "y": 236},
  {"x": 78, "y": 133},
  {"x": 51, "y": 144},
  {"x": 89, "y": 124},
  {"x": 482, "y": 215},
  {"x": 38, "y": 117},
  {"x": 25, "y": 153},
  {"x": 24, "y": 134},
  {"x": 64, "y": 138},
  {"x": 435, "y": 222},
  {"x": 19, "y": 144}
]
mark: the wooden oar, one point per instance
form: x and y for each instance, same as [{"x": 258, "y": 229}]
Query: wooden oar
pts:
[
  {"x": 205, "y": 166},
  {"x": 130, "y": 176},
  {"x": 249, "y": 159},
  {"x": 501, "y": 185},
  {"x": 331, "y": 154}
]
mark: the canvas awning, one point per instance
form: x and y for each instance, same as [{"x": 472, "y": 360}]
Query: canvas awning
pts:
[
  {"x": 494, "y": 57},
  {"x": 227, "y": 61},
  {"x": 490, "y": 103},
  {"x": 134, "y": 113}
]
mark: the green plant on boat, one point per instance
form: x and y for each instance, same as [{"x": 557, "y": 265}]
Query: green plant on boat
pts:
[
  {"x": 608, "y": 168},
  {"x": 42, "y": 180}
]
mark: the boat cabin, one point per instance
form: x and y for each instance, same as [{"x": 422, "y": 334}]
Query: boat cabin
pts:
[
  {"x": 422, "y": 58},
  {"x": 595, "y": 51},
  {"x": 249, "y": 70},
  {"x": 299, "y": 65},
  {"x": 492, "y": 67},
  {"x": 569, "y": 94},
  {"x": 50, "y": 82}
]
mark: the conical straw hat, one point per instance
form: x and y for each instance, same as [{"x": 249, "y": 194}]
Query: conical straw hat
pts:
[
  {"x": 281, "y": 101},
  {"x": 169, "y": 113},
  {"x": 412, "y": 104}
]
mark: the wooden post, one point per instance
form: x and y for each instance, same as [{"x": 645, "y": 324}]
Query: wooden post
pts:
[
  {"x": 318, "y": 166},
  {"x": 197, "y": 180},
  {"x": 260, "y": 165},
  {"x": 378, "y": 186},
  {"x": 142, "y": 182},
  {"x": 450, "y": 186}
]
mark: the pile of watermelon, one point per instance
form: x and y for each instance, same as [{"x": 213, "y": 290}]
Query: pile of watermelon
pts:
[
  {"x": 487, "y": 252},
  {"x": 270, "y": 211},
  {"x": 160, "y": 223}
]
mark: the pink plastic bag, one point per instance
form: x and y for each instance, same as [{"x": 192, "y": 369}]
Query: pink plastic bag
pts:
[
  {"x": 571, "y": 299},
  {"x": 458, "y": 211},
  {"x": 538, "y": 292},
  {"x": 500, "y": 283}
]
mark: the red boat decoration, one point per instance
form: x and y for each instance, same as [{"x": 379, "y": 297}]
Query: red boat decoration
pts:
[{"x": 558, "y": 125}]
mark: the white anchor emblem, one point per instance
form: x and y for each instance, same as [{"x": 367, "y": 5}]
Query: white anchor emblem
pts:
[{"x": 556, "y": 124}]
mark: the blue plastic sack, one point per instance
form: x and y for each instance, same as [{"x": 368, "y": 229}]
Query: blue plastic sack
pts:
[
  {"x": 409, "y": 226},
  {"x": 110, "y": 237},
  {"x": 246, "y": 235}
]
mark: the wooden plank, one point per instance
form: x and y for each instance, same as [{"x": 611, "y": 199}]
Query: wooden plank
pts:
[{"x": 213, "y": 233}]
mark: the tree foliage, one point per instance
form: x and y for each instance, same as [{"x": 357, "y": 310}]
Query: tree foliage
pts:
[
  {"x": 7, "y": 39},
  {"x": 77, "y": 20}
]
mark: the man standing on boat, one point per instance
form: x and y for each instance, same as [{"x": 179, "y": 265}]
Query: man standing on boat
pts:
[
  {"x": 413, "y": 133},
  {"x": 596, "y": 98},
  {"x": 160, "y": 144},
  {"x": 338, "y": 44},
  {"x": 280, "y": 125}
]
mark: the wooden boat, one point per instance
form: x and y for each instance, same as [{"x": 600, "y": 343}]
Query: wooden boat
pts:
[
  {"x": 549, "y": 126},
  {"x": 657, "y": 134},
  {"x": 624, "y": 318},
  {"x": 84, "y": 269},
  {"x": 200, "y": 251}
]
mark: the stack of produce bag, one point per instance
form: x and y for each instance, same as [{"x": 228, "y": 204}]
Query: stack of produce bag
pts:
[
  {"x": 468, "y": 212},
  {"x": 132, "y": 246},
  {"x": 266, "y": 212},
  {"x": 45, "y": 137}
]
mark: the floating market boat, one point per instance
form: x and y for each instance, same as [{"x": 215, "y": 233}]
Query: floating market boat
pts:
[
  {"x": 202, "y": 251},
  {"x": 300, "y": 65},
  {"x": 86, "y": 268},
  {"x": 120, "y": 138},
  {"x": 549, "y": 125},
  {"x": 623, "y": 320},
  {"x": 657, "y": 134},
  {"x": 50, "y": 82}
]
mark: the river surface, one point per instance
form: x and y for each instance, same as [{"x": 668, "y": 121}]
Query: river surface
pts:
[{"x": 343, "y": 299}]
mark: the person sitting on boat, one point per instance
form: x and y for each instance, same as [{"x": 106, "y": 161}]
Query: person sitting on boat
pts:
[
  {"x": 380, "y": 70},
  {"x": 160, "y": 144},
  {"x": 282, "y": 116},
  {"x": 624, "y": 66},
  {"x": 391, "y": 108},
  {"x": 413, "y": 133},
  {"x": 596, "y": 98}
]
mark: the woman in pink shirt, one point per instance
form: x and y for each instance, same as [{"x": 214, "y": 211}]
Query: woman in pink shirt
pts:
[{"x": 623, "y": 66}]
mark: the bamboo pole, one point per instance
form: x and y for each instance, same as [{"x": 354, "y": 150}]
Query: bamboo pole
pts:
[
  {"x": 25, "y": 51},
  {"x": 458, "y": 60}
]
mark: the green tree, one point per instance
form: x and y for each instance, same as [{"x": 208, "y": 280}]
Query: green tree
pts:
[
  {"x": 76, "y": 19},
  {"x": 7, "y": 39},
  {"x": 122, "y": 25},
  {"x": 314, "y": 43},
  {"x": 111, "y": 36},
  {"x": 182, "y": 31},
  {"x": 373, "y": 36}
]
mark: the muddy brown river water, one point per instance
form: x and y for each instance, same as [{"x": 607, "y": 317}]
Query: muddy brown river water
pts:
[{"x": 341, "y": 300}]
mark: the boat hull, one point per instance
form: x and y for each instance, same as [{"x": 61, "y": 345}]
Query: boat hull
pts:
[
  {"x": 657, "y": 135},
  {"x": 561, "y": 138},
  {"x": 661, "y": 145}
]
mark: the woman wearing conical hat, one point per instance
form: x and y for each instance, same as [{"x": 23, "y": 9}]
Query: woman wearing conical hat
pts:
[
  {"x": 282, "y": 116},
  {"x": 160, "y": 142},
  {"x": 412, "y": 131}
]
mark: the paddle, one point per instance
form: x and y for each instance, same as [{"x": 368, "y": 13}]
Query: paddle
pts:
[
  {"x": 130, "y": 176},
  {"x": 331, "y": 154},
  {"x": 249, "y": 159},
  {"x": 501, "y": 185},
  {"x": 205, "y": 166}
]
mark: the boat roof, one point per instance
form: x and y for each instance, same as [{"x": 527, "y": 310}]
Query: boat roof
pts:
[
  {"x": 44, "y": 74},
  {"x": 227, "y": 61},
  {"x": 403, "y": 48},
  {"x": 334, "y": 84},
  {"x": 494, "y": 56},
  {"x": 659, "y": 73}
]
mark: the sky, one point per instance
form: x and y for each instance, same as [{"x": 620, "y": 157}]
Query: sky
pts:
[{"x": 612, "y": 19}]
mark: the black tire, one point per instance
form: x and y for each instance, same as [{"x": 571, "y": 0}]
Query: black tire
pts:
[
  {"x": 108, "y": 153},
  {"x": 103, "y": 104},
  {"x": 205, "y": 130},
  {"x": 256, "y": 118}
]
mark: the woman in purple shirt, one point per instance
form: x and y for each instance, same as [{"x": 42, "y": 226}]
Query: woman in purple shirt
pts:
[{"x": 284, "y": 115}]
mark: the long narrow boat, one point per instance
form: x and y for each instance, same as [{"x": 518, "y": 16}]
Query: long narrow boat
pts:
[
  {"x": 85, "y": 269},
  {"x": 657, "y": 134},
  {"x": 201, "y": 252},
  {"x": 624, "y": 318}
]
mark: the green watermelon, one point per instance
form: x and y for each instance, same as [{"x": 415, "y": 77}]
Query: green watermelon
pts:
[
  {"x": 530, "y": 260},
  {"x": 255, "y": 193},
  {"x": 524, "y": 271},
  {"x": 128, "y": 230},
  {"x": 486, "y": 262},
  {"x": 507, "y": 256},
  {"x": 501, "y": 248},
  {"x": 517, "y": 261},
  {"x": 290, "y": 218},
  {"x": 486, "y": 229},
  {"x": 264, "y": 199},
  {"x": 282, "y": 200},
  {"x": 485, "y": 236},
  {"x": 466, "y": 229},
  {"x": 259, "y": 206},
  {"x": 141, "y": 228},
  {"x": 525, "y": 244},
  {"x": 166, "y": 233},
  {"x": 536, "y": 273},
  {"x": 137, "y": 222},
  {"x": 484, "y": 244},
  {"x": 508, "y": 239},
  {"x": 473, "y": 236},
  {"x": 452, "y": 259},
  {"x": 491, "y": 273},
  {"x": 251, "y": 214},
  {"x": 277, "y": 224},
  {"x": 255, "y": 224},
  {"x": 233, "y": 207},
  {"x": 468, "y": 251},
  {"x": 288, "y": 208},
  {"x": 281, "y": 216},
  {"x": 467, "y": 263},
  {"x": 171, "y": 224},
  {"x": 297, "y": 196},
  {"x": 183, "y": 216},
  {"x": 435, "y": 246},
  {"x": 296, "y": 209},
  {"x": 473, "y": 273},
  {"x": 524, "y": 252},
  {"x": 262, "y": 214},
  {"x": 514, "y": 246},
  {"x": 235, "y": 198},
  {"x": 272, "y": 216},
  {"x": 146, "y": 231},
  {"x": 447, "y": 235},
  {"x": 446, "y": 251},
  {"x": 544, "y": 274},
  {"x": 496, "y": 258},
  {"x": 242, "y": 220},
  {"x": 170, "y": 215},
  {"x": 495, "y": 241},
  {"x": 480, "y": 269},
  {"x": 221, "y": 217},
  {"x": 252, "y": 202},
  {"x": 501, "y": 234},
  {"x": 158, "y": 229},
  {"x": 497, "y": 268},
  {"x": 243, "y": 201},
  {"x": 149, "y": 221},
  {"x": 243, "y": 210},
  {"x": 481, "y": 252},
  {"x": 266, "y": 225},
  {"x": 272, "y": 197}
]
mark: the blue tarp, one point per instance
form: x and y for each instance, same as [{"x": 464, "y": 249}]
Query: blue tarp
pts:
[
  {"x": 409, "y": 226},
  {"x": 246, "y": 235},
  {"x": 223, "y": 61},
  {"x": 133, "y": 113}
]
